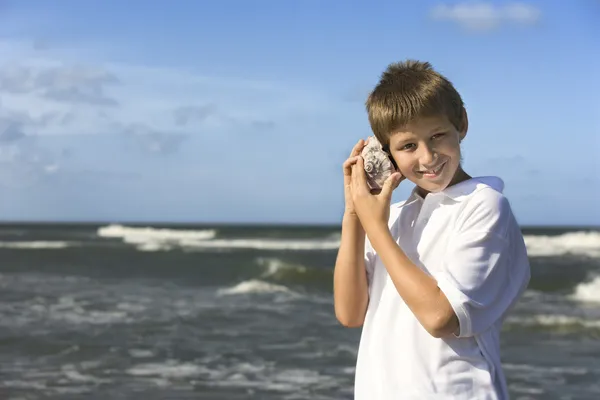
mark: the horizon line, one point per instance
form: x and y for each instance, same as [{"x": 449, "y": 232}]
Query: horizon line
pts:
[{"x": 215, "y": 224}]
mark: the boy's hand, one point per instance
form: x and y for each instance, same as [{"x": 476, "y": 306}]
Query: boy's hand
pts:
[
  {"x": 372, "y": 208},
  {"x": 348, "y": 165}
]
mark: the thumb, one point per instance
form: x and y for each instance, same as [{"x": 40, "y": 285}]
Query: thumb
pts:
[{"x": 390, "y": 184}]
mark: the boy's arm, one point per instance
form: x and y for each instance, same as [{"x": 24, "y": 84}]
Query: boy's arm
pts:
[
  {"x": 484, "y": 272},
  {"x": 350, "y": 288},
  {"x": 419, "y": 290}
]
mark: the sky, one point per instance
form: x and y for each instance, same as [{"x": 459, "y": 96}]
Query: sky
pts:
[{"x": 244, "y": 111}]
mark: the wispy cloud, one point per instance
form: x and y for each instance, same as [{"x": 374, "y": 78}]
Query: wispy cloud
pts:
[
  {"x": 486, "y": 16},
  {"x": 193, "y": 114},
  {"x": 49, "y": 91},
  {"x": 153, "y": 141},
  {"x": 76, "y": 95},
  {"x": 64, "y": 84}
]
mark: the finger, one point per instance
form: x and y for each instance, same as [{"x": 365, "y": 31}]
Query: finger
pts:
[
  {"x": 350, "y": 161},
  {"x": 360, "y": 167},
  {"x": 348, "y": 165},
  {"x": 359, "y": 177},
  {"x": 390, "y": 184},
  {"x": 357, "y": 148}
]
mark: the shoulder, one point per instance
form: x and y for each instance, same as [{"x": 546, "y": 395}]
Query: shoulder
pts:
[
  {"x": 486, "y": 208},
  {"x": 487, "y": 200}
]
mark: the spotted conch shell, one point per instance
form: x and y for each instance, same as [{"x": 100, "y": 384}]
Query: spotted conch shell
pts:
[{"x": 378, "y": 165}]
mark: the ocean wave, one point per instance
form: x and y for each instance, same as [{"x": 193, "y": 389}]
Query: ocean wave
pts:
[
  {"x": 553, "y": 320},
  {"x": 270, "y": 376},
  {"x": 146, "y": 233},
  {"x": 254, "y": 286},
  {"x": 274, "y": 267},
  {"x": 276, "y": 275},
  {"x": 154, "y": 239},
  {"x": 36, "y": 245},
  {"x": 170, "y": 369},
  {"x": 576, "y": 243},
  {"x": 277, "y": 270},
  {"x": 543, "y": 369},
  {"x": 588, "y": 291},
  {"x": 161, "y": 239},
  {"x": 264, "y": 244}
]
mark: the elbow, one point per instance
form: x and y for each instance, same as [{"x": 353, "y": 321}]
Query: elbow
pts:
[
  {"x": 438, "y": 333},
  {"x": 349, "y": 321},
  {"x": 351, "y": 314},
  {"x": 442, "y": 325}
]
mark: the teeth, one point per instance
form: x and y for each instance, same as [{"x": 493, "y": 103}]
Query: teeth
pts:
[{"x": 433, "y": 171}]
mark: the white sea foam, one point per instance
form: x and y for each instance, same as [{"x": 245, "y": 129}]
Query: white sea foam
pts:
[
  {"x": 553, "y": 320},
  {"x": 273, "y": 266},
  {"x": 588, "y": 291},
  {"x": 135, "y": 233},
  {"x": 558, "y": 370},
  {"x": 70, "y": 310},
  {"x": 154, "y": 239},
  {"x": 159, "y": 239},
  {"x": 265, "y": 244},
  {"x": 578, "y": 243},
  {"x": 73, "y": 374},
  {"x": 300, "y": 383},
  {"x": 140, "y": 353},
  {"x": 35, "y": 244},
  {"x": 169, "y": 370},
  {"x": 254, "y": 286}
]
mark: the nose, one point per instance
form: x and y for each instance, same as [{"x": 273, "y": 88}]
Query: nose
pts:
[{"x": 427, "y": 155}]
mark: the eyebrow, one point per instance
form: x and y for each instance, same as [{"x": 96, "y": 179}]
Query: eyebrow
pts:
[
  {"x": 438, "y": 128},
  {"x": 405, "y": 135}
]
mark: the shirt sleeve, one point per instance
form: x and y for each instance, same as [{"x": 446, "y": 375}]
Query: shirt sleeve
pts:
[{"x": 485, "y": 271}]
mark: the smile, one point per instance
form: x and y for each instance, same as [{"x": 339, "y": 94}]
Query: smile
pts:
[{"x": 432, "y": 173}]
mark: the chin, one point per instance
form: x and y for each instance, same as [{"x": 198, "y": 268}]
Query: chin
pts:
[{"x": 433, "y": 187}]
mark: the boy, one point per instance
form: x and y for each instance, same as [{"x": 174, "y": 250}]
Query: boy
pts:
[{"x": 437, "y": 273}]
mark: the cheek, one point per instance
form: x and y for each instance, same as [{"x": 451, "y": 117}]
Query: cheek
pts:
[{"x": 404, "y": 163}]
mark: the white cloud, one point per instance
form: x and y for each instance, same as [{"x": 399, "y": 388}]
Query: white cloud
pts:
[
  {"x": 50, "y": 91},
  {"x": 485, "y": 16},
  {"x": 69, "y": 94}
]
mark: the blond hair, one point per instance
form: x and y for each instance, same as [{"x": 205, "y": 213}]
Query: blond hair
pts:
[{"x": 408, "y": 90}]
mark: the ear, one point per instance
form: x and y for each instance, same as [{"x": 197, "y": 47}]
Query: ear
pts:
[{"x": 464, "y": 124}]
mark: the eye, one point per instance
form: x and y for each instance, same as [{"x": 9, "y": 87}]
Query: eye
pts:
[
  {"x": 408, "y": 146},
  {"x": 438, "y": 136}
]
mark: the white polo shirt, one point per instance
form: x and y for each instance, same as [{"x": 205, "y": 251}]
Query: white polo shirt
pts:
[{"x": 467, "y": 238}]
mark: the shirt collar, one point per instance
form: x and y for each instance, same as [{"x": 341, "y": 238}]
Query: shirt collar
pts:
[{"x": 462, "y": 189}]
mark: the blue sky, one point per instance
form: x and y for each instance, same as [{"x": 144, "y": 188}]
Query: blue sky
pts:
[{"x": 243, "y": 111}]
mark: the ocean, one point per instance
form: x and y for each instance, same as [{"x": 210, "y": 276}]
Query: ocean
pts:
[{"x": 246, "y": 312}]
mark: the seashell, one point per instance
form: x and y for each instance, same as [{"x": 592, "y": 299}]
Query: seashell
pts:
[{"x": 377, "y": 163}]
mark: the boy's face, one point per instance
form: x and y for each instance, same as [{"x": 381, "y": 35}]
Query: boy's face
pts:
[{"x": 427, "y": 152}]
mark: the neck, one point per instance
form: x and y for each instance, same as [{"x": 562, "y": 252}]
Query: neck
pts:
[{"x": 459, "y": 176}]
